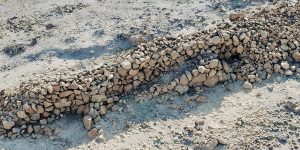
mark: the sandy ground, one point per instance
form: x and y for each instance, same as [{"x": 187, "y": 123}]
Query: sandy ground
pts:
[{"x": 58, "y": 36}]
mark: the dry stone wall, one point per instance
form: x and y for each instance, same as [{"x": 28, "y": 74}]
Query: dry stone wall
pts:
[{"x": 249, "y": 49}]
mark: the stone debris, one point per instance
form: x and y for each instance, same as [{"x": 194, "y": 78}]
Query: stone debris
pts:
[{"x": 248, "y": 49}]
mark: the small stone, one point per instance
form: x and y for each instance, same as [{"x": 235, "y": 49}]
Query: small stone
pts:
[
  {"x": 181, "y": 89},
  {"x": 201, "y": 69},
  {"x": 262, "y": 74},
  {"x": 100, "y": 139},
  {"x": 213, "y": 63},
  {"x": 235, "y": 40},
  {"x": 243, "y": 36},
  {"x": 133, "y": 72},
  {"x": 263, "y": 34},
  {"x": 212, "y": 73},
  {"x": 296, "y": 56},
  {"x": 73, "y": 86},
  {"x": 47, "y": 104},
  {"x": 98, "y": 98},
  {"x": 288, "y": 73},
  {"x": 8, "y": 124},
  {"x": 93, "y": 133},
  {"x": 28, "y": 109},
  {"x": 188, "y": 75},
  {"x": 201, "y": 99},
  {"x": 240, "y": 49},
  {"x": 216, "y": 40},
  {"x": 43, "y": 121},
  {"x": 47, "y": 131},
  {"x": 183, "y": 80},
  {"x": 15, "y": 130},
  {"x": 87, "y": 122},
  {"x": 9, "y": 92},
  {"x": 29, "y": 129},
  {"x": 226, "y": 67},
  {"x": 57, "y": 131},
  {"x": 285, "y": 65},
  {"x": 36, "y": 128},
  {"x": 195, "y": 72},
  {"x": 222, "y": 141},
  {"x": 210, "y": 82},
  {"x": 35, "y": 117},
  {"x": 62, "y": 103},
  {"x": 175, "y": 55},
  {"x": 247, "y": 85},
  {"x": 211, "y": 144},
  {"x": 190, "y": 52},
  {"x": 65, "y": 93},
  {"x": 50, "y": 89},
  {"x": 103, "y": 110},
  {"x": 201, "y": 44},
  {"x": 123, "y": 72},
  {"x": 126, "y": 65},
  {"x": 200, "y": 78},
  {"x": 21, "y": 114}
]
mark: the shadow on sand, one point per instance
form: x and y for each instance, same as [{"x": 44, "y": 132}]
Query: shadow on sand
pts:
[{"x": 119, "y": 43}]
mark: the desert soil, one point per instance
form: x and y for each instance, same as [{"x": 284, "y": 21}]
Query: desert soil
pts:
[{"x": 48, "y": 37}]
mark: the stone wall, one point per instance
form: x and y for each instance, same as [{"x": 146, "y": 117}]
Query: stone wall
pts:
[{"x": 249, "y": 49}]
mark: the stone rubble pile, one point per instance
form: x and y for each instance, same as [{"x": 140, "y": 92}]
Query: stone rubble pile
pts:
[{"x": 249, "y": 49}]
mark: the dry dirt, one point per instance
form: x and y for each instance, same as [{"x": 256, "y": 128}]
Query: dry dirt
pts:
[{"x": 54, "y": 36}]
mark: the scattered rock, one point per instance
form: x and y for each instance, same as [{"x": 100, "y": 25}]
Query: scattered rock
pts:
[
  {"x": 87, "y": 122},
  {"x": 93, "y": 133},
  {"x": 247, "y": 85}
]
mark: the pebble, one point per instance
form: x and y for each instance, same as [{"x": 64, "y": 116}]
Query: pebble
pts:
[
  {"x": 247, "y": 85},
  {"x": 8, "y": 124},
  {"x": 213, "y": 64},
  {"x": 263, "y": 34},
  {"x": 126, "y": 65},
  {"x": 87, "y": 122},
  {"x": 201, "y": 69},
  {"x": 216, "y": 40},
  {"x": 296, "y": 56},
  {"x": 21, "y": 114},
  {"x": 285, "y": 65},
  {"x": 240, "y": 49},
  {"x": 93, "y": 133}
]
